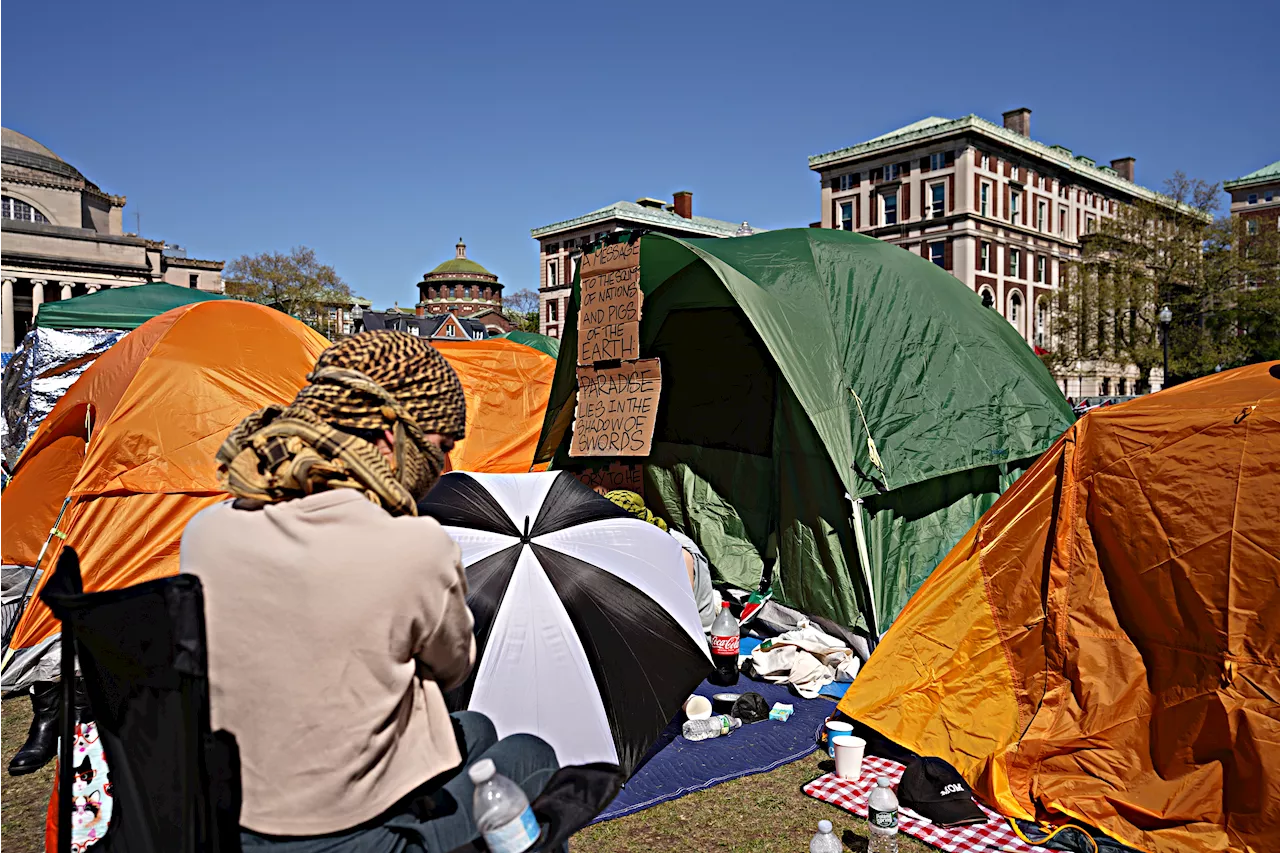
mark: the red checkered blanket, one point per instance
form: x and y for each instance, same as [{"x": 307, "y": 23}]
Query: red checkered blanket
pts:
[{"x": 995, "y": 834}]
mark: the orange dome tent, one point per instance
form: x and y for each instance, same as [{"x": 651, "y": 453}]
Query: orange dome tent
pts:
[
  {"x": 507, "y": 385},
  {"x": 130, "y": 446},
  {"x": 1104, "y": 644}
]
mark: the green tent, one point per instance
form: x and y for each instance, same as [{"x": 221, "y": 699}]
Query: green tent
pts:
[
  {"x": 542, "y": 343},
  {"x": 785, "y": 355},
  {"x": 118, "y": 307}
]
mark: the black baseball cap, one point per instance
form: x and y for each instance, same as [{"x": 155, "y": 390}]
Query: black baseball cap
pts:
[{"x": 931, "y": 787}]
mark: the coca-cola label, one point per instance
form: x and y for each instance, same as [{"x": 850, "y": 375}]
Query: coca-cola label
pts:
[
  {"x": 724, "y": 646},
  {"x": 884, "y": 820}
]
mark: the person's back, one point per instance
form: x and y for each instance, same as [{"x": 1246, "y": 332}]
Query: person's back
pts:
[{"x": 321, "y": 611}]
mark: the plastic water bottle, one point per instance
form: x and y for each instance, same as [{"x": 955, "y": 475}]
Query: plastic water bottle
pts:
[
  {"x": 710, "y": 727},
  {"x": 882, "y": 817},
  {"x": 824, "y": 841},
  {"x": 501, "y": 810}
]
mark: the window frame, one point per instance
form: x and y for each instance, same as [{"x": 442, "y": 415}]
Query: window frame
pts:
[
  {"x": 1015, "y": 197},
  {"x": 940, "y": 247},
  {"x": 984, "y": 255},
  {"x": 885, "y": 208},
  {"x": 845, "y": 224},
  {"x": 1041, "y": 267},
  {"x": 1042, "y": 214},
  {"x": 937, "y": 161},
  {"x": 1015, "y": 262},
  {"x": 937, "y": 200},
  {"x": 984, "y": 198}
]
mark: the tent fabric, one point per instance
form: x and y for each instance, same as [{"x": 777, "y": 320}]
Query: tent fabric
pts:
[
  {"x": 542, "y": 343},
  {"x": 782, "y": 354},
  {"x": 119, "y": 307},
  {"x": 506, "y": 385},
  {"x": 158, "y": 404},
  {"x": 1104, "y": 645}
]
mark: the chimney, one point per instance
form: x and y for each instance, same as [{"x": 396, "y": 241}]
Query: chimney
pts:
[
  {"x": 683, "y": 203},
  {"x": 420, "y": 310},
  {"x": 1019, "y": 121},
  {"x": 1124, "y": 166}
]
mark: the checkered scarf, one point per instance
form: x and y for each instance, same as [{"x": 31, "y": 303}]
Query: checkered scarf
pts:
[{"x": 362, "y": 386}]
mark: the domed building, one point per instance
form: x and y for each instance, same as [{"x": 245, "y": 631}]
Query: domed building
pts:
[
  {"x": 65, "y": 237},
  {"x": 464, "y": 288}
]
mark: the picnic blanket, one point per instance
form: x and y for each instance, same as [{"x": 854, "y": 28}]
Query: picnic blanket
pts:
[
  {"x": 976, "y": 838},
  {"x": 675, "y": 767}
]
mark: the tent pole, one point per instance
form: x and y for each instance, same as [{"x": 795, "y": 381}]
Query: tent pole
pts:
[{"x": 864, "y": 558}]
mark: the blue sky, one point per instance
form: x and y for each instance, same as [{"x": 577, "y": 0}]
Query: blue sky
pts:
[{"x": 378, "y": 133}]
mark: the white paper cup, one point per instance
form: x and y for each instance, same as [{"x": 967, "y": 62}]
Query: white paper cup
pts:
[
  {"x": 836, "y": 728},
  {"x": 697, "y": 707},
  {"x": 849, "y": 751}
]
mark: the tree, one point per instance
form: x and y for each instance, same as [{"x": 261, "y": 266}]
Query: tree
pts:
[
  {"x": 521, "y": 308},
  {"x": 1151, "y": 253},
  {"x": 296, "y": 283}
]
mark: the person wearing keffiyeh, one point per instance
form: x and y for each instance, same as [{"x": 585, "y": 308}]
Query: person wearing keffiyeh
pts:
[{"x": 336, "y": 617}]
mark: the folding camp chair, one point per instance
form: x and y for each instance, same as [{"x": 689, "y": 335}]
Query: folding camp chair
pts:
[{"x": 142, "y": 652}]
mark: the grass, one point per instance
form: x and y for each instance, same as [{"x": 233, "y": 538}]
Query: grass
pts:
[
  {"x": 23, "y": 799},
  {"x": 756, "y": 814}
]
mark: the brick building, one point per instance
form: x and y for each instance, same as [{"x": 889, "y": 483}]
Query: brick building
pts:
[
  {"x": 1255, "y": 198},
  {"x": 562, "y": 243},
  {"x": 462, "y": 287},
  {"x": 994, "y": 207}
]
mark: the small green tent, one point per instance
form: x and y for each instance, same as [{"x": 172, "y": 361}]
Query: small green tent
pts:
[
  {"x": 784, "y": 356},
  {"x": 119, "y": 307},
  {"x": 542, "y": 343}
]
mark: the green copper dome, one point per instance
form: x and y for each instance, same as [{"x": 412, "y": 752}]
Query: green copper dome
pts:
[{"x": 459, "y": 265}]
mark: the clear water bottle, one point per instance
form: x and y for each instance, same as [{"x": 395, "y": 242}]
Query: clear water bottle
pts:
[
  {"x": 711, "y": 727},
  {"x": 501, "y": 810},
  {"x": 882, "y": 817},
  {"x": 825, "y": 841}
]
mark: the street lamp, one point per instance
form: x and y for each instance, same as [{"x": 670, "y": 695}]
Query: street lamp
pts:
[{"x": 1166, "y": 317}]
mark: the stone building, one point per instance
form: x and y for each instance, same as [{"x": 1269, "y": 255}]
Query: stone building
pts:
[
  {"x": 63, "y": 237},
  {"x": 462, "y": 287},
  {"x": 1255, "y": 198},
  {"x": 561, "y": 244},
  {"x": 997, "y": 209}
]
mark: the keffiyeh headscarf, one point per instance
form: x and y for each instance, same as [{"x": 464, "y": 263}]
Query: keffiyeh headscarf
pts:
[
  {"x": 634, "y": 504},
  {"x": 360, "y": 388}
]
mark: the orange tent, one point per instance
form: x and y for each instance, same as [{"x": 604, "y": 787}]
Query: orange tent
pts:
[
  {"x": 1104, "y": 644},
  {"x": 130, "y": 446},
  {"x": 507, "y": 386}
]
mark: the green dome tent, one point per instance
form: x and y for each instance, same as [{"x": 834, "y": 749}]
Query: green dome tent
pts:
[
  {"x": 825, "y": 395},
  {"x": 119, "y": 307},
  {"x": 542, "y": 343}
]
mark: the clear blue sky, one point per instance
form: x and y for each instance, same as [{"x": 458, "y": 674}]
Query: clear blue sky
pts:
[{"x": 378, "y": 133}]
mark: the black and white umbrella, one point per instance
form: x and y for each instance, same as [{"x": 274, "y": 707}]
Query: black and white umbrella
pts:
[{"x": 586, "y": 629}]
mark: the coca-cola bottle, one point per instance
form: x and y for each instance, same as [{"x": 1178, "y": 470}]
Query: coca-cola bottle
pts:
[{"x": 724, "y": 648}]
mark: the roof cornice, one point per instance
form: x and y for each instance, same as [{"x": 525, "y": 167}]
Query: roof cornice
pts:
[{"x": 630, "y": 212}]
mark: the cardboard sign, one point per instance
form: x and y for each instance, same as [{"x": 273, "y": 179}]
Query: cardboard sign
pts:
[
  {"x": 616, "y": 476},
  {"x": 617, "y": 409},
  {"x": 608, "y": 258},
  {"x": 611, "y": 342}
]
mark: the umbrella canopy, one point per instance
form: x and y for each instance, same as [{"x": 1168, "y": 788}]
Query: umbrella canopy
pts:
[{"x": 586, "y": 628}]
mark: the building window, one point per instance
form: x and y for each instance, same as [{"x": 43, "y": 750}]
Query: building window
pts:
[
  {"x": 552, "y": 281},
  {"x": 552, "y": 248},
  {"x": 937, "y": 199},
  {"x": 1253, "y": 198},
  {"x": 12, "y": 208},
  {"x": 1269, "y": 195},
  {"x": 1015, "y": 309},
  {"x": 1042, "y": 321},
  {"x": 846, "y": 216},
  {"x": 937, "y": 161},
  {"x": 1062, "y": 221},
  {"x": 847, "y": 182},
  {"x": 986, "y": 162},
  {"x": 1013, "y": 172},
  {"x": 1015, "y": 262},
  {"x": 1040, "y": 265},
  {"x": 450, "y": 331},
  {"x": 1251, "y": 226},
  {"x": 1042, "y": 215},
  {"x": 1015, "y": 199},
  {"x": 988, "y": 297},
  {"x": 984, "y": 257},
  {"x": 938, "y": 254},
  {"x": 193, "y": 280},
  {"x": 984, "y": 199},
  {"x": 413, "y": 330},
  {"x": 1090, "y": 224},
  {"x": 889, "y": 208},
  {"x": 892, "y": 172}
]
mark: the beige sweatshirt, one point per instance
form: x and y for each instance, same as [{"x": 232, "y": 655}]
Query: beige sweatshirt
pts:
[{"x": 332, "y": 628}]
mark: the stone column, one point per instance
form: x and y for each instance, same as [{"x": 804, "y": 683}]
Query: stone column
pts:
[
  {"x": 93, "y": 288},
  {"x": 67, "y": 288},
  {"x": 6, "y": 321},
  {"x": 37, "y": 296}
]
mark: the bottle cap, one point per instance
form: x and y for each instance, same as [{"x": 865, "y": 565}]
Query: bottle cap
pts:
[
  {"x": 482, "y": 771},
  {"x": 882, "y": 781},
  {"x": 824, "y": 826},
  {"x": 723, "y": 605}
]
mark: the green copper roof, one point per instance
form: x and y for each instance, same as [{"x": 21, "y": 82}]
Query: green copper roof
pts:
[
  {"x": 1265, "y": 175},
  {"x": 455, "y": 266}
]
